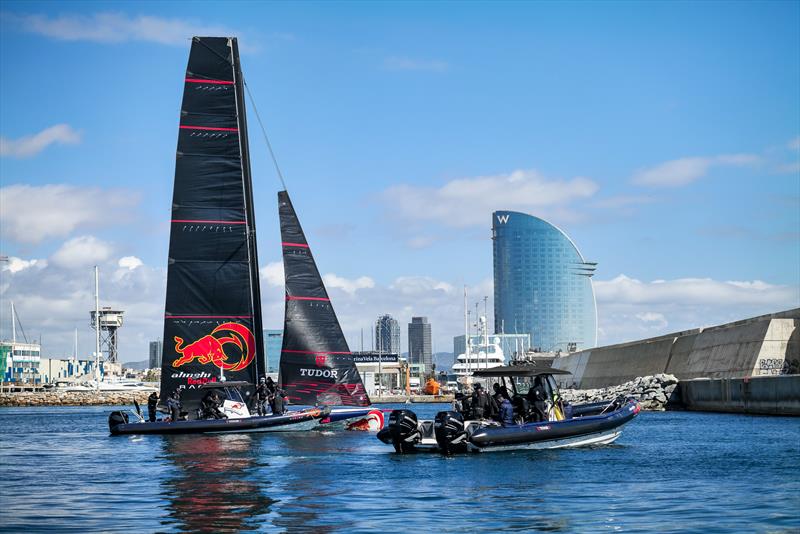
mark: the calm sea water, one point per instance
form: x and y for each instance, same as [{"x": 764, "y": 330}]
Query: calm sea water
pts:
[{"x": 673, "y": 471}]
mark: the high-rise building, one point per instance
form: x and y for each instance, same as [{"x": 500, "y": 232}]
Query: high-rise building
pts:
[
  {"x": 542, "y": 284},
  {"x": 387, "y": 334},
  {"x": 273, "y": 342},
  {"x": 156, "y": 350},
  {"x": 419, "y": 342}
]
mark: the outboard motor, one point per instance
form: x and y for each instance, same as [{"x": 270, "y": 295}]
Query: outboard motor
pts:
[
  {"x": 450, "y": 433},
  {"x": 117, "y": 418},
  {"x": 402, "y": 431}
]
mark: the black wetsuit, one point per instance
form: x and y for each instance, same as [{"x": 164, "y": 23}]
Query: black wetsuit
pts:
[
  {"x": 277, "y": 402},
  {"x": 174, "y": 405},
  {"x": 483, "y": 406},
  {"x": 536, "y": 397},
  {"x": 262, "y": 396},
  {"x": 152, "y": 404}
]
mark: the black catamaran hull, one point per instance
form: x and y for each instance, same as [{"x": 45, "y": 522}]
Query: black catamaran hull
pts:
[{"x": 289, "y": 422}]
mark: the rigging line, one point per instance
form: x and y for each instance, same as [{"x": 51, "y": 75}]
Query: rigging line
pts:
[{"x": 266, "y": 137}]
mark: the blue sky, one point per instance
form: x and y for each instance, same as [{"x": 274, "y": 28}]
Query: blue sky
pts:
[{"x": 664, "y": 138}]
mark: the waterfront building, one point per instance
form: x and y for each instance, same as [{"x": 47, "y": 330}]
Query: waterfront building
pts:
[
  {"x": 387, "y": 334},
  {"x": 542, "y": 284},
  {"x": 156, "y": 350},
  {"x": 382, "y": 372},
  {"x": 273, "y": 343},
  {"x": 52, "y": 370},
  {"x": 512, "y": 345},
  {"x": 419, "y": 342},
  {"x": 20, "y": 362}
]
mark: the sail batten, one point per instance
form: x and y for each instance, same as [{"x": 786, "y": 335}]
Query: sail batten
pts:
[
  {"x": 316, "y": 364},
  {"x": 212, "y": 316}
]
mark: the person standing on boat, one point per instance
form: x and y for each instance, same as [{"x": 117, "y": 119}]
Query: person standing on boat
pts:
[
  {"x": 152, "y": 404},
  {"x": 483, "y": 406},
  {"x": 174, "y": 405},
  {"x": 262, "y": 396}
]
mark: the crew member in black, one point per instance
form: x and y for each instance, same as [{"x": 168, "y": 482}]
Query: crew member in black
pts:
[
  {"x": 536, "y": 397},
  {"x": 483, "y": 406},
  {"x": 277, "y": 401},
  {"x": 210, "y": 406},
  {"x": 152, "y": 403},
  {"x": 262, "y": 396},
  {"x": 174, "y": 405}
]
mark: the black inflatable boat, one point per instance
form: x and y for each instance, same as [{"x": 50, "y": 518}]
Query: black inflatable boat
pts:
[{"x": 549, "y": 425}]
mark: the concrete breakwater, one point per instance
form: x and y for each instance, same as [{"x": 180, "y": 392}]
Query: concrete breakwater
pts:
[
  {"x": 655, "y": 393},
  {"x": 73, "y": 398}
]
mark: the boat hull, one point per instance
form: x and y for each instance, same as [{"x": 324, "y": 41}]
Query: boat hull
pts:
[
  {"x": 289, "y": 422},
  {"x": 559, "y": 433}
]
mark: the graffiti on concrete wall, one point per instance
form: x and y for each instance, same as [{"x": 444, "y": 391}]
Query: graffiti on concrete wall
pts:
[{"x": 778, "y": 366}]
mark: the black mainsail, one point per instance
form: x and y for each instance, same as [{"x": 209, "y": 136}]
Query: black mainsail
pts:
[
  {"x": 212, "y": 318},
  {"x": 316, "y": 364}
]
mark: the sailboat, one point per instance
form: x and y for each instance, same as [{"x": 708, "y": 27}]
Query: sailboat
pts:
[
  {"x": 316, "y": 366},
  {"x": 212, "y": 319}
]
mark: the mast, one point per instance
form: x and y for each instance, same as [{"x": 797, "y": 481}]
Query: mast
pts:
[
  {"x": 13, "y": 327},
  {"x": 96, "y": 327},
  {"x": 466, "y": 331},
  {"x": 250, "y": 217}
]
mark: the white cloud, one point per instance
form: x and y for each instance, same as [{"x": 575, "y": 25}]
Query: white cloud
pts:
[
  {"x": 405, "y": 63},
  {"x": 421, "y": 241},
  {"x": 52, "y": 300},
  {"x": 470, "y": 201},
  {"x": 273, "y": 273},
  {"x": 30, "y": 214},
  {"x": 632, "y": 309},
  {"x": 81, "y": 252},
  {"x": 130, "y": 262},
  {"x": 30, "y": 145},
  {"x": 115, "y": 28},
  {"x": 15, "y": 265},
  {"x": 686, "y": 170},
  {"x": 347, "y": 285}
]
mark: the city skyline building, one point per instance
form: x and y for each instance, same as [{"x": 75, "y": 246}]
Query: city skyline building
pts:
[
  {"x": 156, "y": 350},
  {"x": 273, "y": 343},
  {"x": 387, "y": 334},
  {"x": 542, "y": 284},
  {"x": 419, "y": 342}
]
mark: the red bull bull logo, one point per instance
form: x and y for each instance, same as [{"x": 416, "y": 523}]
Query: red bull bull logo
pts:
[{"x": 211, "y": 348}]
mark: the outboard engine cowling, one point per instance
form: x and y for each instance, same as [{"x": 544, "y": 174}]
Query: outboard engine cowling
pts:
[
  {"x": 403, "y": 430},
  {"x": 451, "y": 436},
  {"x": 117, "y": 418}
]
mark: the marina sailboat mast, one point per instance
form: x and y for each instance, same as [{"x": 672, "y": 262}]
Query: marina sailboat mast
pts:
[{"x": 212, "y": 319}]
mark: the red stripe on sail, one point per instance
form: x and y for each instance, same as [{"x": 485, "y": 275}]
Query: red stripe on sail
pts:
[
  {"x": 308, "y": 298},
  {"x": 314, "y": 352},
  {"x": 294, "y": 245},
  {"x": 214, "y": 82},
  {"x": 208, "y": 317},
  {"x": 207, "y": 221},
  {"x": 212, "y": 128}
]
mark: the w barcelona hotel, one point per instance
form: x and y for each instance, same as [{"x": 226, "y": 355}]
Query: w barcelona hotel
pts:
[{"x": 542, "y": 284}]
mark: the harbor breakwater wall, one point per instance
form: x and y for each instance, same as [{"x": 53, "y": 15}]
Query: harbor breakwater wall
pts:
[
  {"x": 73, "y": 398},
  {"x": 654, "y": 393},
  {"x": 767, "y": 345},
  {"x": 770, "y": 395}
]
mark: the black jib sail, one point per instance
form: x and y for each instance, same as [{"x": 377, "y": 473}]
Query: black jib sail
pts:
[
  {"x": 212, "y": 318},
  {"x": 316, "y": 364}
]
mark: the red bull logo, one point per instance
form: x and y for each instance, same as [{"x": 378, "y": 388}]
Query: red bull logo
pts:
[{"x": 211, "y": 348}]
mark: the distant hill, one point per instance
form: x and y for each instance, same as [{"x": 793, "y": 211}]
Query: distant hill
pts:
[{"x": 139, "y": 366}]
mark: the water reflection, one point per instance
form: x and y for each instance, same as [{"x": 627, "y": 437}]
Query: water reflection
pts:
[{"x": 210, "y": 491}]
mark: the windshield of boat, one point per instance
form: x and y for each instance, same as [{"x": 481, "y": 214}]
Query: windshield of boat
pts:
[
  {"x": 233, "y": 394},
  {"x": 524, "y": 383}
]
